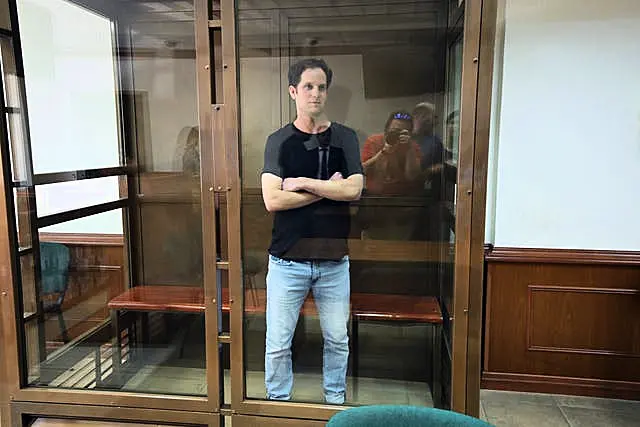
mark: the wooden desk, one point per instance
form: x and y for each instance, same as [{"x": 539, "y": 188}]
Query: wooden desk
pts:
[{"x": 364, "y": 307}]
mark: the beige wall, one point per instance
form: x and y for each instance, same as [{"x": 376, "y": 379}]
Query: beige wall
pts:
[
  {"x": 171, "y": 86},
  {"x": 264, "y": 102}
]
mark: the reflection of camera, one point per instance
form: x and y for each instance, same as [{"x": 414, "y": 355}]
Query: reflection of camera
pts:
[{"x": 393, "y": 136}]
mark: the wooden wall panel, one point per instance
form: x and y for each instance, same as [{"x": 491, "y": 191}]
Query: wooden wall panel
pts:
[{"x": 565, "y": 320}]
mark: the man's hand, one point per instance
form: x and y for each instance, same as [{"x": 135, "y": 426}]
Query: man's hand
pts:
[
  {"x": 293, "y": 184},
  {"x": 299, "y": 184}
]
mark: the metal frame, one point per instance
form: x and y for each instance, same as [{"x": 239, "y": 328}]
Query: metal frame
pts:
[
  {"x": 470, "y": 193},
  {"x": 102, "y": 413},
  {"x": 220, "y": 175},
  {"x": 479, "y": 195},
  {"x": 52, "y": 401}
]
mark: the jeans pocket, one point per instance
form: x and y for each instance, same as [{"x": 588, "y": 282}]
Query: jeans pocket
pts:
[{"x": 280, "y": 261}]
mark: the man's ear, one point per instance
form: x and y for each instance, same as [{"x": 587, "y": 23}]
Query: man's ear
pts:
[{"x": 292, "y": 92}]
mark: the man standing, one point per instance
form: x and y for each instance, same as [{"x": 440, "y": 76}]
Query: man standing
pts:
[{"x": 311, "y": 172}]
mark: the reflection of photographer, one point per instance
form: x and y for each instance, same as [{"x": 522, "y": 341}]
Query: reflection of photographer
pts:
[{"x": 391, "y": 160}]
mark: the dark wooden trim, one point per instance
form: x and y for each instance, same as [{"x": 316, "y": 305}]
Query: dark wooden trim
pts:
[
  {"x": 562, "y": 256},
  {"x": 83, "y": 239},
  {"x": 561, "y": 385}
]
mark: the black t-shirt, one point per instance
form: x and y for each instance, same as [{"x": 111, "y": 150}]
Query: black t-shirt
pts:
[{"x": 317, "y": 231}]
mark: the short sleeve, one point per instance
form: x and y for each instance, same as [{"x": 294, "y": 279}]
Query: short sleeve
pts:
[
  {"x": 370, "y": 149},
  {"x": 272, "y": 157},
  {"x": 352, "y": 153}
]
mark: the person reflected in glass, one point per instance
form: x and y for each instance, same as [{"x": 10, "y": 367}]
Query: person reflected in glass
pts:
[
  {"x": 430, "y": 226},
  {"x": 311, "y": 172},
  {"x": 391, "y": 160},
  {"x": 431, "y": 148}
]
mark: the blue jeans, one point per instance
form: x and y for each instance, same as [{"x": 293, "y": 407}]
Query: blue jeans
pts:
[{"x": 288, "y": 283}]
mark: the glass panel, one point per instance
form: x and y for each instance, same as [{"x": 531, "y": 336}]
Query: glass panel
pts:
[
  {"x": 394, "y": 85},
  {"x": 450, "y": 161},
  {"x": 156, "y": 304},
  {"x": 71, "y": 86},
  {"x": 11, "y": 79},
  {"x": 83, "y": 291},
  {"x": 29, "y": 297},
  {"x": 66, "y": 196},
  {"x": 15, "y": 119},
  {"x": 23, "y": 217}
]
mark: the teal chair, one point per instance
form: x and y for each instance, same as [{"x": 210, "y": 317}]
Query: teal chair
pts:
[
  {"x": 401, "y": 416},
  {"x": 54, "y": 272}
]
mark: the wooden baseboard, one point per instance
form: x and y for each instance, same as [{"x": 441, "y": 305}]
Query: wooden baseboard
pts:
[
  {"x": 561, "y": 256},
  {"x": 560, "y": 385}
]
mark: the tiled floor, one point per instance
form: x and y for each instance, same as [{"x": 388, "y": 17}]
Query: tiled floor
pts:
[
  {"x": 501, "y": 409},
  {"x": 510, "y": 409},
  {"x": 307, "y": 387}
]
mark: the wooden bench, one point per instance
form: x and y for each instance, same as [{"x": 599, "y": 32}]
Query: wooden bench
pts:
[{"x": 364, "y": 307}]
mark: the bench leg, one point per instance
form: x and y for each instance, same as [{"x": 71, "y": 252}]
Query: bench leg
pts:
[
  {"x": 354, "y": 345},
  {"x": 436, "y": 353}
]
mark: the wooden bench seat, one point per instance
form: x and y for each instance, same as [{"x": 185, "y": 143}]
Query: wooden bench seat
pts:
[
  {"x": 366, "y": 307},
  {"x": 190, "y": 299}
]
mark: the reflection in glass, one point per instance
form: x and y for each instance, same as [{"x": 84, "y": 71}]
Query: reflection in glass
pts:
[{"x": 390, "y": 82}]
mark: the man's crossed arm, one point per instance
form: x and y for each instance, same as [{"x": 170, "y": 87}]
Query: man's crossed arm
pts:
[{"x": 291, "y": 193}]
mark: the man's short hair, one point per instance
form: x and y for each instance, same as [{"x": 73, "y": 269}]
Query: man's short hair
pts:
[
  {"x": 423, "y": 108},
  {"x": 296, "y": 70}
]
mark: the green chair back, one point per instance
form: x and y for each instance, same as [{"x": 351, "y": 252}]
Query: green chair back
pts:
[{"x": 401, "y": 416}]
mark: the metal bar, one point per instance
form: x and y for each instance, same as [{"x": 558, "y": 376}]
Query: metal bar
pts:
[
  {"x": 24, "y": 251},
  {"x": 5, "y": 32},
  {"x": 464, "y": 220},
  {"x": 224, "y": 338},
  {"x": 12, "y": 110},
  {"x": 209, "y": 214},
  {"x": 51, "y": 178},
  {"x": 222, "y": 265},
  {"x": 487, "y": 37},
  {"x": 215, "y": 23},
  {"x": 61, "y": 217},
  {"x": 105, "y": 413},
  {"x": 230, "y": 161}
]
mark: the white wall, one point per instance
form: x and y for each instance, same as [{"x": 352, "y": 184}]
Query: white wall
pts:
[
  {"x": 71, "y": 97},
  {"x": 568, "y": 131}
]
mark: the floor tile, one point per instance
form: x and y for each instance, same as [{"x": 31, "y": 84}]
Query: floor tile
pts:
[
  {"x": 583, "y": 417},
  {"x": 510, "y": 397},
  {"x": 629, "y": 406},
  {"x": 516, "y": 414}
]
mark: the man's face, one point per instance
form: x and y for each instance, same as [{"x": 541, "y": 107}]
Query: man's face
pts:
[
  {"x": 311, "y": 93},
  {"x": 423, "y": 122}
]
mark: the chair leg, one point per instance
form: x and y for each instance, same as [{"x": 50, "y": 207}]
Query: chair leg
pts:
[{"x": 63, "y": 327}]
